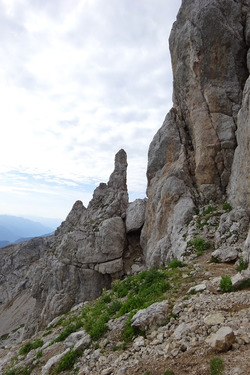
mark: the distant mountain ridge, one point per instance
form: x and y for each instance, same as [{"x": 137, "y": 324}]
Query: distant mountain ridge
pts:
[{"x": 14, "y": 228}]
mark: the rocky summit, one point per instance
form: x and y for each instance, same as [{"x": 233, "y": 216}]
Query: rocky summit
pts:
[{"x": 159, "y": 285}]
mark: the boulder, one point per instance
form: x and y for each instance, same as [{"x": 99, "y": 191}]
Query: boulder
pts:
[
  {"x": 79, "y": 340},
  {"x": 197, "y": 288},
  {"x": 135, "y": 215},
  {"x": 240, "y": 278},
  {"x": 153, "y": 315},
  {"x": 182, "y": 329},
  {"x": 225, "y": 254},
  {"x": 222, "y": 340},
  {"x": 111, "y": 267},
  {"x": 214, "y": 318}
]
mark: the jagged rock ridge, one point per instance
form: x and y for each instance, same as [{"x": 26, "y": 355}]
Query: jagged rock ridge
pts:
[{"x": 76, "y": 263}]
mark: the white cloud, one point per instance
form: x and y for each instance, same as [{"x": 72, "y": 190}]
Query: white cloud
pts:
[{"x": 80, "y": 79}]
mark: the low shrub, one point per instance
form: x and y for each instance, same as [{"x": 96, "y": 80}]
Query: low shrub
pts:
[
  {"x": 68, "y": 360},
  {"x": 129, "y": 332},
  {"x": 98, "y": 328},
  {"x": 243, "y": 285},
  {"x": 39, "y": 354},
  {"x": 19, "y": 371},
  {"x": 242, "y": 265},
  {"x": 30, "y": 346},
  {"x": 226, "y": 285},
  {"x": 4, "y": 337},
  {"x": 126, "y": 296},
  {"x": 168, "y": 372},
  {"x": 209, "y": 210},
  {"x": 216, "y": 366},
  {"x": 69, "y": 329},
  {"x": 227, "y": 207},
  {"x": 199, "y": 244},
  {"x": 214, "y": 260},
  {"x": 175, "y": 263}
]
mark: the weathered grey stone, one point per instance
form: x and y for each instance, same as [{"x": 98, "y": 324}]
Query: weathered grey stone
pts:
[
  {"x": 135, "y": 215},
  {"x": 222, "y": 340},
  {"x": 214, "y": 318},
  {"x": 240, "y": 277},
  {"x": 238, "y": 189},
  {"x": 111, "y": 267},
  {"x": 195, "y": 145},
  {"x": 247, "y": 242},
  {"x": 151, "y": 316},
  {"x": 233, "y": 227},
  {"x": 170, "y": 203},
  {"x": 139, "y": 342},
  {"x": 210, "y": 100},
  {"x": 198, "y": 288},
  {"x": 225, "y": 254},
  {"x": 79, "y": 340},
  {"x": 83, "y": 343},
  {"x": 107, "y": 371},
  {"x": 73, "y": 218},
  {"x": 181, "y": 329}
]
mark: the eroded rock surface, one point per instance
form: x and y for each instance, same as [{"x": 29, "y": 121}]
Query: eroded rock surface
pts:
[{"x": 190, "y": 158}]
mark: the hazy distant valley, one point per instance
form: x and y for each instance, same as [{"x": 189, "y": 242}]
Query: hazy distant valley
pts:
[{"x": 14, "y": 229}]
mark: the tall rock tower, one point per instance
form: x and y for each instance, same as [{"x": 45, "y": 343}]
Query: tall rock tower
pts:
[{"x": 202, "y": 150}]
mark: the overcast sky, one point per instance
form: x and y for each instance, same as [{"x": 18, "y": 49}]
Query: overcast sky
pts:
[{"x": 79, "y": 80}]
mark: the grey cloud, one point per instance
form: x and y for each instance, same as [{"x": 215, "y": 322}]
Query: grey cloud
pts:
[{"x": 121, "y": 25}]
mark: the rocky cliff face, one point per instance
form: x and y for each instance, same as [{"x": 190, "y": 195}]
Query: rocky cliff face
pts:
[{"x": 204, "y": 141}]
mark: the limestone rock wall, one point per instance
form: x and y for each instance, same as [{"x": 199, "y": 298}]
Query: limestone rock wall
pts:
[
  {"x": 209, "y": 60},
  {"x": 192, "y": 155},
  {"x": 239, "y": 187}
]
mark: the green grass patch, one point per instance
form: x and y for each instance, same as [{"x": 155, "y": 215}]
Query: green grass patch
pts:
[
  {"x": 4, "y": 337},
  {"x": 68, "y": 360},
  {"x": 216, "y": 366},
  {"x": 227, "y": 207},
  {"x": 19, "y": 371},
  {"x": 126, "y": 296},
  {"x": 243, "y": 265},
  {"x": 199, "y": 244},
  {"x": 244, "y": 285},
  {"x": 30, "y": 346},
  {"x": 226, "y": 285},
  {"x": 39, "y": 354},
  {"x": 68, "y": 330},
  {"x": 209, "y": 210},
  {"x": 175, "y": 263}
]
